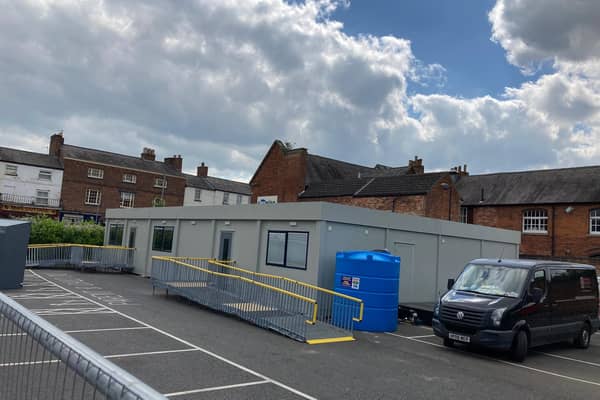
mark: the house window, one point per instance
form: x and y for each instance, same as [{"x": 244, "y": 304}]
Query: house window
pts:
[
  {"x": 92, "y": 197},
  {"x": 225, "y": 198},
  {"x": 45, "y": 175},
  {"x": 595, "y": 221},
  {"x": 129, "y": 178},
  {"x": 535, "y": 221},
  {"x": 95, "y": 173},
  {"x": 287, "y": 249},
  {"x": 127, "y": 199},
  {"x": 160, "y": 182},
  {"x": 464, "y": 215},
  {"x": 41, "y": 197},
  {"x": 238, "y": 199},
  {"x": 162, "y": 238},
  {"x": 115, "y": 235},
  {"x": 10, "y": 170},
  {"x": 198, "y": 195}
]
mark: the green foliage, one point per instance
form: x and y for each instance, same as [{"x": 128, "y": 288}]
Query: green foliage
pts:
[{"x": 47, "y": 230}]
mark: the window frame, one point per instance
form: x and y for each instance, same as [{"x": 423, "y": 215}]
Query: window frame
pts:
[
  {"x": 98, "y": 197},
  {"x": 198, "y": 195},
  {"x": 537, "y": 217},
  {"x": 122, "y": 200},
  {"x": 225, "y": 198},
  {"x": 91, "y": 174},
  {"x": 285, "y": 250},
  {"x": 112, "y": 242},
  {"x": 238, "y": 199},
  {"x": 45, "y": 172},
  {"x": 11, "y": 170},
  {"x": 157, "y": 183},
  {"x": 45, "y": 199},
  {"x": 163, "y": 229},
  {"x": 594, "y": 221},
  {"x": 133, "y": 181},
  {"x": 464, "y": 215}
]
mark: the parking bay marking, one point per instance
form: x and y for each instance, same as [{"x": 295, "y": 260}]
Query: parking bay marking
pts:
[
  {"x": 215, "y": 388},
  {"x": 205, "y": 351},
  {"x": 502, "y": 361}
]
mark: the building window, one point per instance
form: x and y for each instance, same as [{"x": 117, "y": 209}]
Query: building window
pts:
[
  {"x": 162, "y": 238},
  {"x": 160, "y": 182},
  {"x": 129, "y": 178},
  {"x": 10, "y": 170},
  {"x": 92, "y": 197},
  {"x": 595, "y": 221},
  {"x": 287, "y": 249},
  {"x": 95, "y": 173},
  {"x": 535, "y": 221},
  {"x": 41, "y": 197},
  {"x": 115, "y": 235},
  {"x": 198, "y": 195},
  {"x": 158, "y": 202},
  {"x": 464, "y": 215},
  {"x": 127, "y": 199},
  {"x": 238, "y": 199},
  {"x": 45, "y": 175},
  {"x": 72, "y": 218},
  {"x": 225, "y": 198}
]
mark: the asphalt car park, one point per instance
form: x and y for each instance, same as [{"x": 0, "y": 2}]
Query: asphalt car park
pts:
[{"x": 188, "y": 352}]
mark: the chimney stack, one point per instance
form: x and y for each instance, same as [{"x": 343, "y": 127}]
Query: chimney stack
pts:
[
  {"x": 56, "y": 142},
  {"x": 415, "y": 166},
  {"x": 176, "y": 162},
  {"x": 148, "y": 154},
  {"x": 202, "y": 170}
]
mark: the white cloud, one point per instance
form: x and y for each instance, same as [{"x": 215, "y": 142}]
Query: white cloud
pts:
[{"x": 217, "y": 81}]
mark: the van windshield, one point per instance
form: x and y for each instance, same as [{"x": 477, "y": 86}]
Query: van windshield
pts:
[{"x": 493, "y": 280}]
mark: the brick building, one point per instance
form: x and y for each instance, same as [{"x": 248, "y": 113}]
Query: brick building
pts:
[
  {"x": 95, "y": 180},
  {"x": 288, "y": 175},
  {"x": 556, "y": 210}
]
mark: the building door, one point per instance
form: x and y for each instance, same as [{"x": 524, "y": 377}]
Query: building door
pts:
[
  {"x": 225, "y": 247},
  {"x": 131, "y": 242}
]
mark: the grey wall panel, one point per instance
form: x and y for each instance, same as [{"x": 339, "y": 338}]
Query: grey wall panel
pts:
[
  {"x": 195, "y": 239},
  {"x": 497, "y": 249},
  {"x": 455, "y": 253}
]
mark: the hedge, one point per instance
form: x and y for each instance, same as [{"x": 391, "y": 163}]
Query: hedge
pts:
[{"x": 46, "y": 230}]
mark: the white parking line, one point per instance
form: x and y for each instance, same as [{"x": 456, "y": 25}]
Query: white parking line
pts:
[
  {"x": 419, "y": 337},
  {"x": 541, "y": 371},
  {"x": 20, "y": 364},
  {"x": 205, "y": 351},
  {"x": 215, "y": 388},
  {"x": 132, "y": 328},
  {"x": 150, "y": 353},
  {"x": 569, "y": 359}
]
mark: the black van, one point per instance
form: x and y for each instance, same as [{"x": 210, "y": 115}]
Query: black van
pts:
[{"x": 516, "y": 304}]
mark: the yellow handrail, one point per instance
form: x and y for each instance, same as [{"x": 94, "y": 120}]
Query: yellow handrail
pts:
[
  {"x": 253, "y": 282},
  {"x": 47, "y": 245},
  {"x": 320, "y": 289}
]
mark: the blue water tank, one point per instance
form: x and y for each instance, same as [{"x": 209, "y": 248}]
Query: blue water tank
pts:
[{"x": 373, "y": 277}]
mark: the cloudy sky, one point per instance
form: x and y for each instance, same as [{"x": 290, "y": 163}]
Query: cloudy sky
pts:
[{"x": 499, "y": 85}]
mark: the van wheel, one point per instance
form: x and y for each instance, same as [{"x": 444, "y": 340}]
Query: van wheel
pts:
[
  {"x": 518, "y": 352},
  {"x": 582, "y": 340},
  {"x": 448, "y": 342}
]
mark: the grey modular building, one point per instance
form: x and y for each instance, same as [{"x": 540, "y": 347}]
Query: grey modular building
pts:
[{"x": 300, "y": 240}]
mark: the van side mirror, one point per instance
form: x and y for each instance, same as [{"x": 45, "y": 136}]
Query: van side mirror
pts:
[
  {"x": 450, "y": 283},
  {"x": 536, "y": 294}
]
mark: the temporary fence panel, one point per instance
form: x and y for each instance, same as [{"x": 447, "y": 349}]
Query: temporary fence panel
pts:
[
  {"x": 80, "y": 256},
  {"x": 39, "y": 361}
]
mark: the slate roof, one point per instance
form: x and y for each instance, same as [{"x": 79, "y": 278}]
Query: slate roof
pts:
[
  {"x": 320, "y": 168},
  {"x": 223, "y": 185},
  {"x": 120, "y": 160},
  {"x": 567, "y": 185},
  {"x": 29, "y": 158},
  {"x": 400, "y": 185}
]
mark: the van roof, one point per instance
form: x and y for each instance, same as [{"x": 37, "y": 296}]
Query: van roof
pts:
[{"x": 530, "y": 263}]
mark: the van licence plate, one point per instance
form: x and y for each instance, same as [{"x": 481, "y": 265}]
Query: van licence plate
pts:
[{"x": 459, "y": 338}]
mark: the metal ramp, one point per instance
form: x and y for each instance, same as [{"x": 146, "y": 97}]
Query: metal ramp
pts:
[
  {"x": 295, "y": 309},
  {"x": 80, "y": 256}
]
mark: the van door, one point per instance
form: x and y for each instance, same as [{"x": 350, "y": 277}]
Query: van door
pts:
[
  {"x": 565, "y": 308},
  {"x": 539, "y": 316}
]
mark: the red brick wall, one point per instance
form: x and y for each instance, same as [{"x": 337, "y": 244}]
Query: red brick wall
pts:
[
  {"x": 443, "y": 203},
  {"x": 281, "y": 174},
  {"x": 571, "y": 230},
  {"x": 76, "y": 182}
]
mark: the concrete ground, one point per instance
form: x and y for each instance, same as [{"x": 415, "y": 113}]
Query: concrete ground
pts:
[{"x": 188, "y": 352}]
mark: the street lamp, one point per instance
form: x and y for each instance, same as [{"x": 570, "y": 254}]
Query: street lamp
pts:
[{"x": 446, "y": 186}]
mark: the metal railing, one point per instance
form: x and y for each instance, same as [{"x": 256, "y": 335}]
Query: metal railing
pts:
[
  {"x": 80, "y": 256},
  {"x": 39, "y": 361},
  {"x": 332, "y": 308},
  {"x": 29, "y": 200}
]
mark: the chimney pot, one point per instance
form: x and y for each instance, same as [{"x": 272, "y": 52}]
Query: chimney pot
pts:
[
  {"x": 202, "y": 170},
  {"x": 56, "y": 142},
  {"x": 148, "y": 154},
  {"x": 175, "y": 162}
]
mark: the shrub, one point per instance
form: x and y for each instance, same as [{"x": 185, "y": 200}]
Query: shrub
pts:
[{"x": 46, "y": 230}]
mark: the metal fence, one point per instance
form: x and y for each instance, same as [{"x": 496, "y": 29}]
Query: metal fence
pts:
[
  {"x": 39, "y": 361},
  {"x": 80, "y": 256},
  {"x": 331, "y": 308},
  {"x": 29, "y": 200}
]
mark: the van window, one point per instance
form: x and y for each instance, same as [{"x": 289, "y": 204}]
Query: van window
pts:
[
  {"x": 586, "y": 281},
  {"x": 565, "y": 284},
  {"x": 539, "y": 281}
]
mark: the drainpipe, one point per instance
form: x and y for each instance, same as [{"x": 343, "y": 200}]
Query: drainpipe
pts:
[{"x": 553, "y": 228}]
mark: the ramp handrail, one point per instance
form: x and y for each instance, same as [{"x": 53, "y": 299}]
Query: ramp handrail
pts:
[
  {"x": 249, "y": 299},
  {"x": 41, "y": 361},
  {"x": 88, "y": 256}
]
